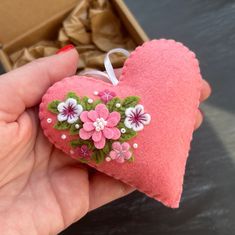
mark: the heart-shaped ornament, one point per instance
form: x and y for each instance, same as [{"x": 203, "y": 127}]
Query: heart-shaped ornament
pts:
[{"x": 138, "y": 131}]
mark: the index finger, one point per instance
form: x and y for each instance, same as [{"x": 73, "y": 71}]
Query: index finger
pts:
[{"x": 24, "y": 87}]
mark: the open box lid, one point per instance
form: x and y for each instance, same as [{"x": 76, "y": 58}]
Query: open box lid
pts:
[{"x": 18, "y": 17}]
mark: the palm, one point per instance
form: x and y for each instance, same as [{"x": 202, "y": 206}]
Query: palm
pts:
[{"x": 46, "y": 189}]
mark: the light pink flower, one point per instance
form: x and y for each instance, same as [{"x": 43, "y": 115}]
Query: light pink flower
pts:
[
  {"x": 106, "y": 95},
  {"x": 120, "y": 152},
  {"x": 100, "y": 125},
  {"x": 83, "y": 151}
]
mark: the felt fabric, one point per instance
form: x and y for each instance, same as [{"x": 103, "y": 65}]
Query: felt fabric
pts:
[{"x": 166, "y": 76}]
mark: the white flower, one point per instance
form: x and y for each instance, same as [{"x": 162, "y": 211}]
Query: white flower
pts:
[
  {"x": 136, "y": 118},
  {"x": 69, "y": 110}
]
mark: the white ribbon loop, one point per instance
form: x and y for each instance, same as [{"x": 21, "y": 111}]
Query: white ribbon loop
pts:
[
  {"x": 109, "y": 67},
  {"x": 94, "y": 72},
  {"x": 109, "y": 73}
]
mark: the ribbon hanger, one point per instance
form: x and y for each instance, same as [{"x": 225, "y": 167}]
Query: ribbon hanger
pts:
[{"x": 109, "y": 70}]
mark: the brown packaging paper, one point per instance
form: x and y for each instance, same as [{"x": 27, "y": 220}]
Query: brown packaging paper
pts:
[{"x": 93, "y": 27}]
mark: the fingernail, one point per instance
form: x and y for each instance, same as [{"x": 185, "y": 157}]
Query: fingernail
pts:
[{"x": 65, "y": 48}]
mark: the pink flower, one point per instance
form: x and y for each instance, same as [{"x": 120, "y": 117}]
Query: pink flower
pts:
[
  {"x": 83, "y": 151},
  {"x": 100, "y": 125},
  {"x": 120, "y": 152},
  {"x": 106, "y": 95}
]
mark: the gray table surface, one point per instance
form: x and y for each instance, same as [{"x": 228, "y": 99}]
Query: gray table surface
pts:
[{"x": 208, "y": 203}]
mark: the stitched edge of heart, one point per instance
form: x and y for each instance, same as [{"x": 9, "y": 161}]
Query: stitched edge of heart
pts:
[{"x": 175, "y": 202}]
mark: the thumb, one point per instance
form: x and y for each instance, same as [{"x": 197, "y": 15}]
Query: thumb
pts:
[{"x": 23, "y": 88}]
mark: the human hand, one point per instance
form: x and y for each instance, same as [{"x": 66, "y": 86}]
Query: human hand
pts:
[{"x": 42, "y": 191}]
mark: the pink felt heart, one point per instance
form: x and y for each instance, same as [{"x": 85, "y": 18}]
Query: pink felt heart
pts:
[{"x": 145, "y": 142}]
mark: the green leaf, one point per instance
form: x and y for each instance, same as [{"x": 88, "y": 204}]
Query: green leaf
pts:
[
  {"x": 52, "y": 107},
  {"x": 98, "y": 156},
  {"x": 107, "y": 147},
  {"x": 111, "y": 105},
  {"x": 79, "y": 142},
  {"x": 129, "y": 134},
  {"x": 75, "y": 143},
  {"x": 73, "y": 130},
  {"x": 62, "y": 125},
  {"x": 121, "y": 125},
  {"x": 96, "y": 102},
  {"x": 132, "y": 159},
  {"x": 74, "y": 96},
  {"x": 83, "y": 160},
  {"x": 85, "y": 104},
  {"x": 123, "y": 115},
  {"x": 130, "y": 101}
]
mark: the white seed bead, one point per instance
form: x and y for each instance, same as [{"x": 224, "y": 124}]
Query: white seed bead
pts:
[
  {"x": 108, "y": 159},
  {"x": 135, "y": 145},
  {"x": 63, "y": 137},
  {"x": 77, "y": 126},
  {"x": 96, "y": 93},
  {"x": 49, "y": 120},
  {"x": 123, "y": 130},
  {"x": 98, "y": 128},
  {"x": 90, "y": 101},
  {"x": 118, "y": 105},
  {"x": 71, "y": 151}
]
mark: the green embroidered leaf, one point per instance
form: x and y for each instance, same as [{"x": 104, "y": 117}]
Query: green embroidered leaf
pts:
[
  {"x": 83, "y": 160},
  {"x": 73, "y": 130},
  {"x": 75, "y": 143},
  {"x": 84, "y": 102},
  {"x": 130, "y": 101},
  {"x": 96, "y": 102},
  {"x": 74, "y": 96},
  {"x": 86, "y": 106},
  {"x": 79, "y": 142},
  {"x": 132, "y": 159},
  {"x": 62, "y": 125},
  {"x": 129, "y": 134},
  {"x": 123, "y": 115},
  {"x": 111, "y": 105},
  {"x": 121, "y": 125},
  {"x": 98, "y": 156},
  {"x": 52, "y": 107},
  {"x": 107, "y": 147}
]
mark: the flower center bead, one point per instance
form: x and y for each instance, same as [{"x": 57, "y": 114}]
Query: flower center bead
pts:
[{"x": 99, "y": 124}]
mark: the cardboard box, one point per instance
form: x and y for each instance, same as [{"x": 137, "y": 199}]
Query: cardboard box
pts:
[{"x": 26, "y": 22}]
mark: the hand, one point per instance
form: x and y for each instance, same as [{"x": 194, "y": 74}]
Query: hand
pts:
[{"x": 41, "y": 190}]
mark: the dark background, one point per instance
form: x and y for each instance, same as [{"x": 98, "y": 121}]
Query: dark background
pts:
[{"x": 208, "y": 203}]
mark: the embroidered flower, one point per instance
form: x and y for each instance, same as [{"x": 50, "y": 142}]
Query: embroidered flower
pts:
[
  {"x": 136, "y": 118},
  {"x": 100, "y": 125},
  {"x": 69, "y": 110},
  {"x": 83, "y": 151},
  {"x": 106, "y": 95},
  {"x": 120, "y": 152}
]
